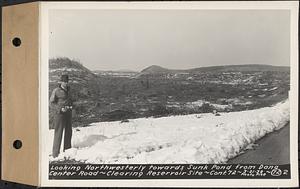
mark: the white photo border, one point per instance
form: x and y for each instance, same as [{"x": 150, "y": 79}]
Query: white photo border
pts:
[{"x": 45, "y": 7}]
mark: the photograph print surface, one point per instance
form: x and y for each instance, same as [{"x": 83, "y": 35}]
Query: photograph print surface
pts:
[{"x": 169, "y": 86}]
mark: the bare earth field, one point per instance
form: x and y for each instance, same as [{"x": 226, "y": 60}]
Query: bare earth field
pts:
[
  {"x": 155, "y": 91},
  {"x": 218, "y": 112}
]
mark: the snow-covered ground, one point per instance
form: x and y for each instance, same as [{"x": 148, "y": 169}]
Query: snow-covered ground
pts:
[{"x": 196, "y": 138}]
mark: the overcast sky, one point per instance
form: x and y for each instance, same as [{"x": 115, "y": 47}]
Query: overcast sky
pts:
[{"x": 175, "y": 39}]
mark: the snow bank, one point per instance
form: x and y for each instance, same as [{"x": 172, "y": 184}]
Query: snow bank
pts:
[{"x": 196, "y": 138}]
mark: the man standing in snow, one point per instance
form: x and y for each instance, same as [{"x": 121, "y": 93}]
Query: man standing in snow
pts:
[{"x": 61, "y": 103}]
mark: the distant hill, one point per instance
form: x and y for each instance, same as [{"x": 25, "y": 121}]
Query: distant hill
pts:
[
  {"x": 227, "y": 68},
  {"x": 156, "y": 69},
  {"x": 84, "y": 84},
  {"x": 76, "y": 71},
  {"x": 240, "y": 68}
]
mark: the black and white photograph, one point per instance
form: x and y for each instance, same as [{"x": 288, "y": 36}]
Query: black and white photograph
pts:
[{"x": 169, "y": 87}]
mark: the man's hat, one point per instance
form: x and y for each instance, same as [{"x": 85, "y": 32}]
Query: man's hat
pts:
[{"x": 64, "y": 78}]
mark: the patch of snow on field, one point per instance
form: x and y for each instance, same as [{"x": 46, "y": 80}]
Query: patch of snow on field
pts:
[
  {"x": 221, "y": 107},
  {"x": 200, "y": 103},
  {"x": 195, "y": 138}
]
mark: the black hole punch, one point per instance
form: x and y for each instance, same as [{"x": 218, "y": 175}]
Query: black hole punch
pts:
[
  {"x": 16, "y": 42},
  {"x": 17, "y": 144}
]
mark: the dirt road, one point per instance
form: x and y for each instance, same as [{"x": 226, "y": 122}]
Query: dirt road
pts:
[{"x": 273, "y": 149}]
